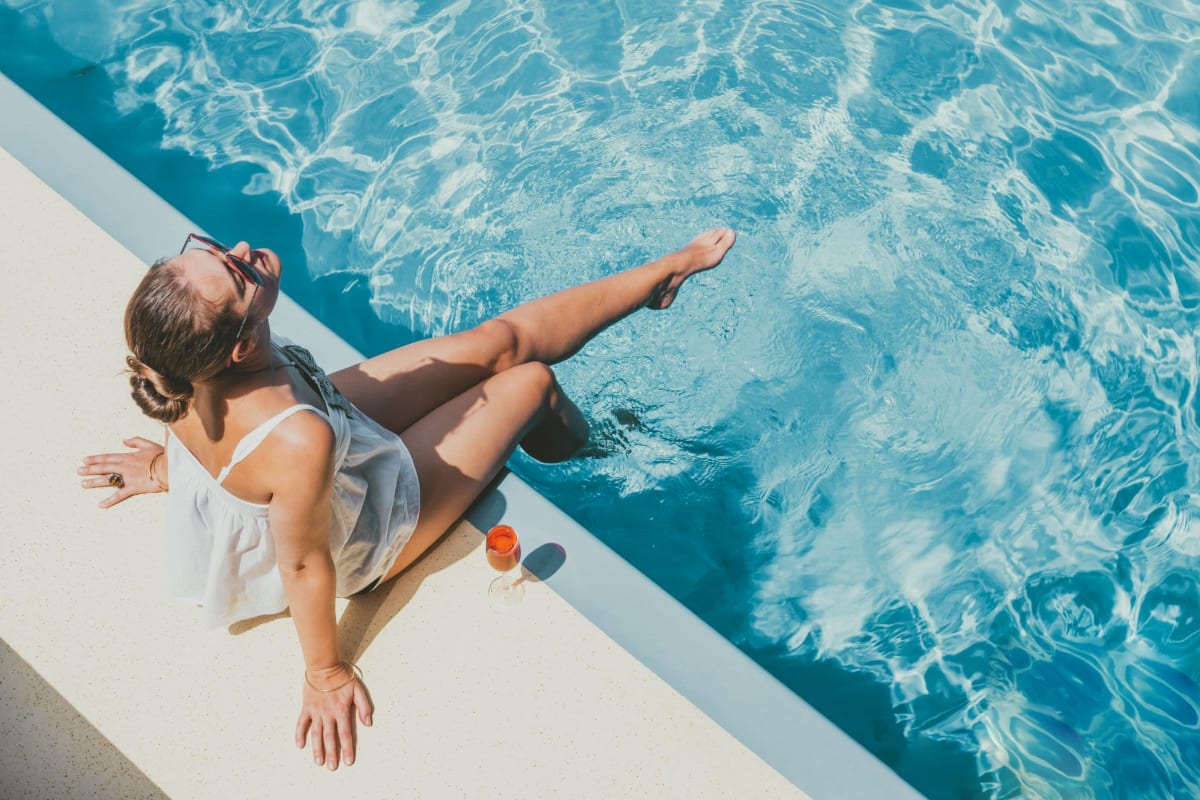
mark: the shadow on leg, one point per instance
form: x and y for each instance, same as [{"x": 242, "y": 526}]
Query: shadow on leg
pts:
[{"x": 459, "y": 448}]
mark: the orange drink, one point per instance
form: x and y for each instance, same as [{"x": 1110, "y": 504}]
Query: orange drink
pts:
[
  {"x": 504, "y": 555},
  {"x": 503, "y": 549}
]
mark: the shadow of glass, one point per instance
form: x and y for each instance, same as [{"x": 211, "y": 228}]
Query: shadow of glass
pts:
[
  {"x": 51, "y": 750},
  {"x": 543, "y": 562}
]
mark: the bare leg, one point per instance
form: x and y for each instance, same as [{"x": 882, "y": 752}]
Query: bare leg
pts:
[
  {"x": 459, "y": 444},
  {"x": 458, "y": 448},
  {"x": 553, "y": 328},
  {"x": 400, "y": 387}
]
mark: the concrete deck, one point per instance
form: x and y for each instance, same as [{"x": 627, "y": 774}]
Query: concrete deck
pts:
[{"x": 110, "y": 690}]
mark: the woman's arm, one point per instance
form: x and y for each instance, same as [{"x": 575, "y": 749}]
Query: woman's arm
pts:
[
  {"x": 132, "y": 469},
  {"x": 299, "y": 466}
]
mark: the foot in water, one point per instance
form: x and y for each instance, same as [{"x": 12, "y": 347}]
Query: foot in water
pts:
[
  {"x": 611, "y": 436},
  {"x": 703, "y": 252}
]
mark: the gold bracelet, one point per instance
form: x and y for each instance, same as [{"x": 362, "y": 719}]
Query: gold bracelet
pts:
[
  {"x": 162, "y": 487},
  {"x": 355, "y": 675}
]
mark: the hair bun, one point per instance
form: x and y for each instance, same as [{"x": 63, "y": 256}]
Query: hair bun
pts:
[
  {"x": 159, "y": 396},
  {"x": 186, "y": 338}
]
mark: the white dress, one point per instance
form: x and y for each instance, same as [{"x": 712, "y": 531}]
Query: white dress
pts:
[{"x": 220, "y": 551}]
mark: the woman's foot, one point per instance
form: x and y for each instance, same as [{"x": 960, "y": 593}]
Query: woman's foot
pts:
[{"x": 703, "y": 252}]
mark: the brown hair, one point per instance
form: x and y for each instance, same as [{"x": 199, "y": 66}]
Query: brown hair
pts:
[{"x": 176, "y": 337}]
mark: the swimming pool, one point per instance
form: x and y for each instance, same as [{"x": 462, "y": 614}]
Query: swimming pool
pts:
[{"x": 921, "y": 446}]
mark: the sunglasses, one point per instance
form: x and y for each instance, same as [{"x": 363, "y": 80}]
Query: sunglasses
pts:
[{"x": 241, "y": 266}]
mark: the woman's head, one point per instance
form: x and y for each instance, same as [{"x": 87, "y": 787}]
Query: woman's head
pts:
[{"x": 187, "y": 317}]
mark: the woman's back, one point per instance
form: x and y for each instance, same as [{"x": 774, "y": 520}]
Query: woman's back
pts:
[
  {"x": 220, "y": 417},
  {"x": 222, "y": 551}
]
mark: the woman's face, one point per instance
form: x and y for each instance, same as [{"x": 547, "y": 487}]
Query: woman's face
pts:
[{"x": 219, "y": 282}]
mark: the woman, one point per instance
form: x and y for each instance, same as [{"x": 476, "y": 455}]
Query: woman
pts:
[{"x": 288, "y": 488}]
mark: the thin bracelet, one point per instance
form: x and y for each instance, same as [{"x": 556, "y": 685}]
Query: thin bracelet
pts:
[
  {"x": 162, "y": 487},
  {"x": 355, "y": 675}
]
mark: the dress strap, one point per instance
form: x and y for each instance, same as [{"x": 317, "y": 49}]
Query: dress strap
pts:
[
  {"x": 303, "y": 361},
  {"x": 255, "y": 437}
]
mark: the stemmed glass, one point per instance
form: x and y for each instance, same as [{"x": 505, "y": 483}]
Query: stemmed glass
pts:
[{"x": 504, "y": 555}]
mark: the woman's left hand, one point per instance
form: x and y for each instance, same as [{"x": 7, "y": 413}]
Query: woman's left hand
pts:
[
  {"x": 132, "y": 471},
  {"x": 328, "y": 716}
]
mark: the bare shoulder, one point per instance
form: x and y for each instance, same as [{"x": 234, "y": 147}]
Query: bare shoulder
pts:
[
  {"x": 305, "y": 429},
  {"x": 300, "y": 450},
  {"x": 300, "y": 470}
]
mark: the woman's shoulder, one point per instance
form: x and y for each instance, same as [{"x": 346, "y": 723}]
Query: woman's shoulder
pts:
[
  {"x": 299, "y": 452},
  {"x": 305, "y": 427},
  {"x": 304, "y": 437},
  {"x": 294, "y": 454},
  {"x": 270, "y": 426}
]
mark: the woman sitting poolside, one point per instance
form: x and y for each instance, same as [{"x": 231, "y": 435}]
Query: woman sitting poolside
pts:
[{"x": 289, "y": 487}]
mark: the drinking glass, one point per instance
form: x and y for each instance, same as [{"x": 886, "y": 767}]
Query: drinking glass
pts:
[{"x": 504, "y": 554}]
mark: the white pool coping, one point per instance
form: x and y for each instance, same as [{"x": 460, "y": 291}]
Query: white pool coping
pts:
[{"x": 94, "y": 660}]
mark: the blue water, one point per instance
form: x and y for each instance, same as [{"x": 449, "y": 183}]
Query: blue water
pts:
[{"x": 923, "y": 446}]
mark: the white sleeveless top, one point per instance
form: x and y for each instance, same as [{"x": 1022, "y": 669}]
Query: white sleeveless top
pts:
[{"x": 219, "y": 547}]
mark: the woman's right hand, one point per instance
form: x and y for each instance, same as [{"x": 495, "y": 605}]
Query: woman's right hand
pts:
[
  {"x": 329, "y": 715},
  {"x": 133, "y": 469}
]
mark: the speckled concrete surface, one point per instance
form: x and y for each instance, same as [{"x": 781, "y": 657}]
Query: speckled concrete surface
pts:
[{"x": 109, "y": 689}]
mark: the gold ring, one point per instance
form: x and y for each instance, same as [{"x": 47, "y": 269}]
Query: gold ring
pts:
[{"x": 116, "y": 481}]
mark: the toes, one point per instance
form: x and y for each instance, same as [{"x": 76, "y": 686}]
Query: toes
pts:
[
  {"x": 725, "y": 237},
  {"x": 717, "y": 237}
]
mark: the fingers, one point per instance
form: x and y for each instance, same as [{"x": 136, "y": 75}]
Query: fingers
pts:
[
  {"x": 116, "y": 497},
  {"x": 318, "y": 743},
  {"x": 331, "y": 724},
  {"x": 105, "y": 462},
  {"x": 325, "y": 743},
  {"x": 331, "y": 744},
  {"x": 129, "y": 464},
  {"x": 95, "y": 483},
  {"x": 128, "y": 472},
  {"x": 363, "y": 703},
  {"x": 338, "y": 739},
  {"x": 302, "y": 730},
  {"x": 345, "y": 735}
]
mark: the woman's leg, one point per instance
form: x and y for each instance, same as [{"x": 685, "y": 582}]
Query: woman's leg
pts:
[
  {"x": 553, "y": 328},
  {"x": 459, "y": 447},
  {"x": 400, "y": 387}
]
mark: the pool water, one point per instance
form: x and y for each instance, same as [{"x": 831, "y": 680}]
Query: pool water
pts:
[{"x": 923, "y": 446}]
